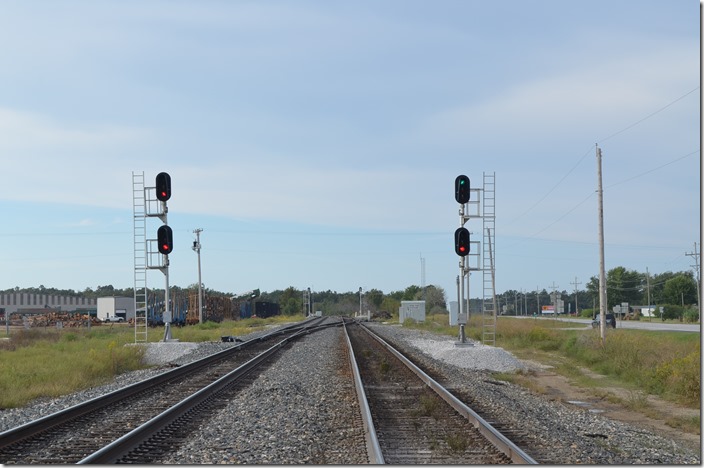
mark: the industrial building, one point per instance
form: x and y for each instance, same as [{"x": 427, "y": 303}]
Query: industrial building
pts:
[
  {"x": 109, "y": 307},
  {"x": 13, "y": 303}
]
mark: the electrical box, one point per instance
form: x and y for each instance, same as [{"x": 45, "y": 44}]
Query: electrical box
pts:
[{"x": 412, "y": 309}]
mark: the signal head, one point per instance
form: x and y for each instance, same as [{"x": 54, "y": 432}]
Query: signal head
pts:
[
  {"x": 462, "y": 189},
  {"x": 462, "y": 242},
  {"x": 163, "y": 186},
  {"x": 165, "y": 239}
]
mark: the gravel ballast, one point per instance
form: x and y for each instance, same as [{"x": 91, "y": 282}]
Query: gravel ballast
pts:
[
  {"x": 309, "y": 416},
  {"x": 559, "y": 434}
]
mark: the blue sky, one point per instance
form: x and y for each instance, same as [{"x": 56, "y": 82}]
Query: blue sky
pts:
[{"x": 316, "y": 143}]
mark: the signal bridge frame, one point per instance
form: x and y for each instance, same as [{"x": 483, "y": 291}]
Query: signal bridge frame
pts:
[
  {"x": 479, "y": 203},
  {"x": 150, "y": 202},
  {"x": 155, "y": 208}
]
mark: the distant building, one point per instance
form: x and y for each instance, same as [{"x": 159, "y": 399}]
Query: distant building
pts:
[
  {"x": 646, "y": 311},
  {"x": 16, "y": 302},
  {"x": 115, "y": 307}
]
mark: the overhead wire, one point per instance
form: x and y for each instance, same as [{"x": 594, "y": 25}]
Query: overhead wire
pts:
[
  {"x": 652, "y": 170},
  {"x": 553, "y": 188},
  {"x": 648, "y": 116},
  {"x": 589, "y": 151}
]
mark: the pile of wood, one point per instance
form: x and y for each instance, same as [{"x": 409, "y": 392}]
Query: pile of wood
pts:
[
  {"x": 215, "y": 308},
  {"x": 67, "y": 319}
]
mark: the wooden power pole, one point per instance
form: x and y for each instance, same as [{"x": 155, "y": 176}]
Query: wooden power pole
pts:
[{"x": 602, "y": 271}]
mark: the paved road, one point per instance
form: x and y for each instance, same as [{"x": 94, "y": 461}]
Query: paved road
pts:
[{"x": 644, "y": 324}]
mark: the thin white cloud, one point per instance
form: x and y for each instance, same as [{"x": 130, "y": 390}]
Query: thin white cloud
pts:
[
  {"x": 86, "y": 222},
  {"x": 22, "y": 130},
  {"x": 574, "y": 104},
  {"x": 367, "y": 198},
  {"x": 45, "y": 160}
]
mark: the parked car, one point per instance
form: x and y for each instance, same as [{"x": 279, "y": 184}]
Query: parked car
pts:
[
  {"x": 610, "y": 321},
  {"x": 115, "y": 318}
]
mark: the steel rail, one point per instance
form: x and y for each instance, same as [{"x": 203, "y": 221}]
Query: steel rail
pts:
[
  {"x": 499, "y": 440},
  {"x": 373, "y": 447},
  {"x": 117, "y": 449},
  {"x": 44, "y": 423}
]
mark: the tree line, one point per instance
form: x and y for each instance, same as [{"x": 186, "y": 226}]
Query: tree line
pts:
[{"x": 677, "y": 291}]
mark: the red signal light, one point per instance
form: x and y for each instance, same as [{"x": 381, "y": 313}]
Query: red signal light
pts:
[
  {"x": 165, "y": 239},
  {"x": 163, "y": 186},
  {"x": 462, "y": 242}
]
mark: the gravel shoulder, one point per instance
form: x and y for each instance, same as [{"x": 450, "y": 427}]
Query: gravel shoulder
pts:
[
  {"x": 542, "y": 409},
  {"x": 609, "y": 401},
  {"x": 561, "y": 389}
]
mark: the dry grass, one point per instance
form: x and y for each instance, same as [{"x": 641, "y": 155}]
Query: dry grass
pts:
[
  {"x": 667, "y": 364},
  {"x": 46, "y": 362}
]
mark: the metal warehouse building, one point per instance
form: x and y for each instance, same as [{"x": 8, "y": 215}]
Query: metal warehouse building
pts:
[{"x": 14, "y": 302}]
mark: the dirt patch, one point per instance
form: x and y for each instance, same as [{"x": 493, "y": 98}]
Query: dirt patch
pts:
[{"x": 619, "y": 404}]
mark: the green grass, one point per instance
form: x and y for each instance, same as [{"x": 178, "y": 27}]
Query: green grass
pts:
[
  {"x": 211, "y": 331},
  {"x": 457, "y": 442},
  {"x": 428, "y": 405},
  {"x": 51, "y": 363},
  {"x": 46, "y": 362}
]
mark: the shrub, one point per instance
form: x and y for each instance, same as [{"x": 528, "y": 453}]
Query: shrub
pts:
[
  {"x": 691, "y": 315},
  {"x": 672, "y": 312}
]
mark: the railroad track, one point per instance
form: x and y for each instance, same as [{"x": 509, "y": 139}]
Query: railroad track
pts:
[
  {"x": 128, "y": 424},
  {"x": 411, "y": 419},
  {"x": 145, "y": 422},
  {"x": 521, "y": 436}
]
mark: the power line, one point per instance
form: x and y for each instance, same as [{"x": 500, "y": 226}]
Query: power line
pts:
[
  {"x": 609, "y": 186},
  {"x": 552, "y": 189},
  {"x": 600, "y": 141},
  {"x": 654, "y": 169},
  {"x": 648, "y": 116},
  {"x": 561, "y": 217}
]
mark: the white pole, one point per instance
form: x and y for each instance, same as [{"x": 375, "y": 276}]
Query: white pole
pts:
[
  {"x": 167, "y": 312},
  {"x": 360, "y": 301},
  {"x": 196, "y": 247}
]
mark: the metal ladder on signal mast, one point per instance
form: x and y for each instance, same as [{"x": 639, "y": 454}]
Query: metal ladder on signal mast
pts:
[
  {"x": 139, "y": 211},
  {"x": 489, "y": 308}
]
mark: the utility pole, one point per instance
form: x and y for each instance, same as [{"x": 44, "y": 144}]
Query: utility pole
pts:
[
  {"x": 310, "y": 301},
  {"x": 196, "y": 248},
  {"x": 602, "y": 270},
  {"x": 422, "y": 278},
  {"x": 576, "y": 307},
  {"x": 360, "y": 301},
  {"x": 537, "y": 298},
  {"x": 647, "y": 282},
  {"x": 554, "y": 288},
  {"x": 695, "y": 255},
  {"x": 554, "y": 299}
]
